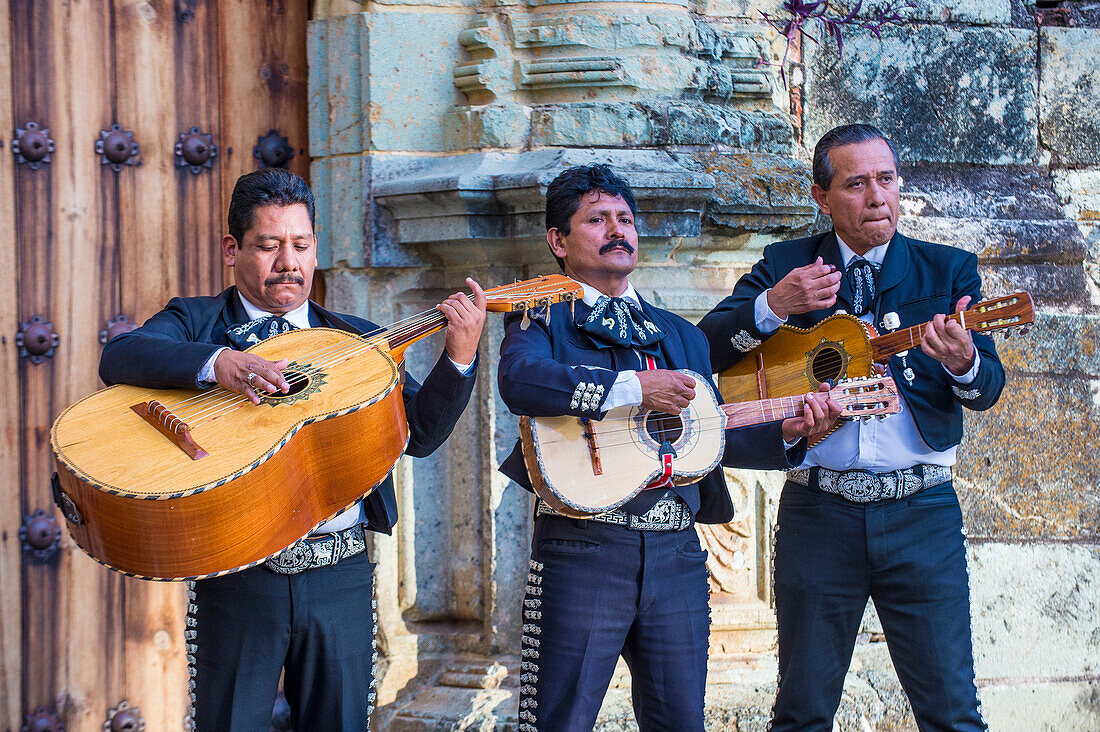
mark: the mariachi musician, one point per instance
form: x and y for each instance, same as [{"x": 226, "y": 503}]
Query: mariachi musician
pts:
[
  {"x": 631, "y": 581},
  {"x": 872, "y": 511},
  {"x": 313, "y": 620}
]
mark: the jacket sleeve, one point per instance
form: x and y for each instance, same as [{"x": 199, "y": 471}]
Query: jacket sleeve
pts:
[
  {"x": 162, "y": 353},
  {"x": 984, "y": 391},
  {"x": 433, "y": 408},
  {"x": 533, "y": 383},
  {"x": 731, "y": 325}
]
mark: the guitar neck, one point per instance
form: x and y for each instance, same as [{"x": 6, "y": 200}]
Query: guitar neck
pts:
[
  {"x": 891, "y": 344},
  {"x": 746, "y": 414}
]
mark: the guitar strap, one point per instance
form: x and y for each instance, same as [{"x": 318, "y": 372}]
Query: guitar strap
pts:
[{"x": 664, "y": 480}]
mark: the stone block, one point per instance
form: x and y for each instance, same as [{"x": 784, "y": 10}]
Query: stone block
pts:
[
  {"x": 1079, "y": 193},
  {"x": 709, "y": 124},
  {"x": 943, "y": 95},
  {"x": 1027, "y": 469},
  {"x": 1065, "y": 706},
  {"x": 593, "y": 125},
  {"x": 341, "y": 191},
  {"x": 757, "y": 192},
  {"x": 338, "y": 68},
  {"x": 1069, "y": 84},
  {"x": 1002, "y": 241},
  {"x": 1050, "y": 284},
  {"x": 974, "y": 12},
  {"x": 1035, "y": 610},
  {"x": 982, "y": 191},
  {"x": 411, "y": 79}
]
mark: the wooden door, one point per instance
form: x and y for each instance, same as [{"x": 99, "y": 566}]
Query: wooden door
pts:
[{"x": 86, "y": 241}]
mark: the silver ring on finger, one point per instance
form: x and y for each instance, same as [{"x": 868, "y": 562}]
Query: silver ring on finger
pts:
[{"x": 251, "y": 376}]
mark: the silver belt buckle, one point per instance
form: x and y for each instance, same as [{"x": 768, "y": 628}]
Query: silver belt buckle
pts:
[
  {"x": 859, "y": 486},
  {"x": 294, "y": 559}
]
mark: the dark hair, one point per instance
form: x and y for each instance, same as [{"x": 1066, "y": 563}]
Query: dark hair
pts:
[
  {"x": 265, "y": 187},
  {"x": 563, "y": 195},
  {"x": 838, "y": 137}
]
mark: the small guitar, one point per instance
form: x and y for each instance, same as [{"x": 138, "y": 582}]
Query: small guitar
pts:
[
  {"x": 797, "y": 360},
  {"x": 583, "y": 467},
  {"x": 187, "y": 483}
]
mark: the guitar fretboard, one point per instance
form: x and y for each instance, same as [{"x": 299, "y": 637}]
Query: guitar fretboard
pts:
[{"x": 745, "y": 414}]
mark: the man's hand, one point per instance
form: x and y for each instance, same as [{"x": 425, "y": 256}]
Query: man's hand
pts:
[
  {"x": 948, "y": 342},
  {"x": 666, "y": 391},
  {"x": 465, "y": 319},
  {"x": 805, "y": 289},
  {"x": 233, "y": 368},
  {"x": 819, "y": 412}
]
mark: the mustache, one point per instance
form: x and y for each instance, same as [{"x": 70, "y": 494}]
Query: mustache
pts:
[
  {"x": 616, "y": 243},
  {"x": 289, "y": 278}
]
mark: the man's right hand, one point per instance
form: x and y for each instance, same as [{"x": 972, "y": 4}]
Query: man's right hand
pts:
[
  {"x": 666, "y": 391},
  {"x": 805, "y": 289},
  {"x": 232, "y": 369}
]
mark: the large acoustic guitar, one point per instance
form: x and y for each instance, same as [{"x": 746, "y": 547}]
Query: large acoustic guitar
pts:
[
  {"x": 181, "y": 483},
  {"x": 583, "y": 467},
  {"x": 797, "y": 360}
]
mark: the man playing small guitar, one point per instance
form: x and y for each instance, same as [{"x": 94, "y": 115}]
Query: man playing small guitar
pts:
[
  {"x": 871, "y": 511},
  {"x": 631, "y": 581},
  {"x": 309, "y": 608}
]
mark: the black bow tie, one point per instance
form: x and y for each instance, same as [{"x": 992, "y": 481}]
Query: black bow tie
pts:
[
  {"x": 862, "y": 277},
  {"x": 615, "y": 321},
  {"x": 249, "y": 334}
]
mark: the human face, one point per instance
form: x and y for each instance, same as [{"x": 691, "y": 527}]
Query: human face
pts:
[
  {"x": 863, "y": 197},
  {"x": 273, "y": 264},
  {"x": 601, "y": 247}
]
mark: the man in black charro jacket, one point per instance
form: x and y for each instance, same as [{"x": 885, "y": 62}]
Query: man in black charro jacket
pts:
[
  {"x": 316, "y": 622},
  {"x": 872, "y": 511},
  {"x": 632, "y": 581}
]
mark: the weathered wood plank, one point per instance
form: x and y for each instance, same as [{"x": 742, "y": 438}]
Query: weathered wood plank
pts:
[
  {"x": 263, "y": 71},
  {"x": 197, "y": 105},
  {"x": 11, "y": 598},
  {"x": 150, "y": 249},
  {"x": 86, "y": 600}
]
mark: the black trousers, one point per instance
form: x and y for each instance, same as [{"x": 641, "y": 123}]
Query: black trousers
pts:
[
  {"x": 245, "y": 628},
  {"x": 597, "y": 591},
  {"x": 909, "y": 556}
]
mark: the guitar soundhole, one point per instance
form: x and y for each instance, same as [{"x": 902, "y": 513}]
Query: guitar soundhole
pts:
[
  {"x": 827, "y": 365},
  {"x": 298, "y": 381},
  {"x": 662, "y": 427}
]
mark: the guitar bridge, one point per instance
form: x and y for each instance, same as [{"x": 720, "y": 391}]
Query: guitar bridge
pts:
[
  {"x": 593, "y": 446},
  {"x": 171, "y": 426}
]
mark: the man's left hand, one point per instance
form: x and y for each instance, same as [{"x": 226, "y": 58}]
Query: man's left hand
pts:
[
  {"x": 948, "y": 342},
  {"x": 465, "y": 319},
  {"x": 819, "y": 412}
]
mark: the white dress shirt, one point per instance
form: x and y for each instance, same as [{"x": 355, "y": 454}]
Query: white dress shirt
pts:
[{"x": 879, "y": 446}]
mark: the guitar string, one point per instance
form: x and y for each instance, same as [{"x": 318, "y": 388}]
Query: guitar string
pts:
[{"x": 344, "y": 351}]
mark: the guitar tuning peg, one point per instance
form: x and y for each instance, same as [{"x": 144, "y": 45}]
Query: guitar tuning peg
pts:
[
  {"x": 881, "y": 417},
  {"x": 1025, "y": 329}
]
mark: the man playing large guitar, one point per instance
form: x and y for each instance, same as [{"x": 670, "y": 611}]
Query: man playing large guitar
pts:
[
  {"x": 871, "y": 511},
  {"x": 310, "y": 609},
  {"x": 631, "y": 581}
]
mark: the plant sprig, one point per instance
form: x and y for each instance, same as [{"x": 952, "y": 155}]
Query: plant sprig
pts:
[{"x": 805, "y": 14}]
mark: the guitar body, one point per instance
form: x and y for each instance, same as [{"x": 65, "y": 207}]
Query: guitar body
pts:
[
  {"x": 138, "y": 503},
  {"x": 565, "y": 474},
  {"x": 797, "y": 361}
]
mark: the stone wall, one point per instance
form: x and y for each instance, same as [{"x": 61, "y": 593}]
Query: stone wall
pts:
[{"x": 435, "y": 126}]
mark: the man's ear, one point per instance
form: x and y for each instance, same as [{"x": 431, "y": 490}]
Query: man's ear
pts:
[
  {"x": 229, "y": 250},
  {"x": 819, "y": 197},
  {"x": 556, "y": 241}
]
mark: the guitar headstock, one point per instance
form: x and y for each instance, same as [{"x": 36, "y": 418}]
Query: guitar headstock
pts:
[
  {"x": 533, "y": 293},
  {"x": 1010, "y": 312},
  {"x": 875, "y": 396}
]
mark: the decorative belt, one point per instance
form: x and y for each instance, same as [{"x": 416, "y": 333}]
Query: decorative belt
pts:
[
  {"x": 863, "y": 486},
  {"x": 667, "y": 514},
  {"x": 323, "y": 550}
]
